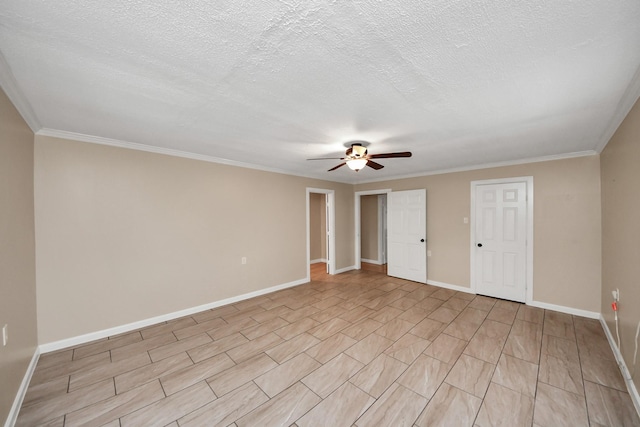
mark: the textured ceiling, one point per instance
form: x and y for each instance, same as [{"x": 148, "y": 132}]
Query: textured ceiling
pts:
[{"x": 271, "y": 83}]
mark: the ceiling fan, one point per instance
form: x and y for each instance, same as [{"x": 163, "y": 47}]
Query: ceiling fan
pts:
[{"x": 357, "y": 157}]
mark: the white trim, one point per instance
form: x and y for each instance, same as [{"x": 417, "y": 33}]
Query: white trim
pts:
[
  {"x": 344, "y": 270},
  {"x": 449, "y": 286},
  {"x": 371, "y": 261},
  {"x": 528, "y": 180},
  {"x": 631, "y": 386},
  {"x": 564, "y": 309},
  {"x": 357, "y": 225},
  {"x": 74, "y": 136},
  {"x": 22, "y": 391},
  {"x": 625, "y": 105},
  {"x": 382, "y": 228},
  {"x": 82, "y": 339},
  {"x": 317, "y": 261},
  {"x": 539, "y": 304},
  {"x": 486, "y": 166},
  {"x": 16, "y": 96},
  {"x": 331, "y": 250}
]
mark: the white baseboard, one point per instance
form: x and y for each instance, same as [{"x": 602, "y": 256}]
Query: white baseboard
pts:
[
  {"x": 22, "y": 391},
  {"x": 631, "y": 386},
  {"x": 82, "y": 339},
  {"x": 371, "y": 261},
  {"x": 554, "y": 307},
  {"x": 564, "y": 309},
  {"x": 344, "y": 270},
  {"x": 319, "y": 260},
  {"x": 449, "y": 286}
]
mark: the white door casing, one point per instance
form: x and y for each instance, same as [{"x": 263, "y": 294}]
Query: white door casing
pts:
[
  {"x": 357, "y": 222},
  {"x": 382, "y": 228},
  {"x": 331, "y": 226},
  {"x": 327, "y": 234},
  {"x": 407, "y": 235},
  {"x": 501, "y": 224}
]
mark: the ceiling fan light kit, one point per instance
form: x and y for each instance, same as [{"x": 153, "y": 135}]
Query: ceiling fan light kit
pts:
[
  {"x": 357, "y": 157},
  {"x": 356, "y": 164}
]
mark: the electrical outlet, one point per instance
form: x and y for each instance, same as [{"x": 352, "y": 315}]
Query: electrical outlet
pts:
[
  {"x": 243, "y": 260},
  {"x": 428, "y": 253},
  {"x": 616, "y": 295},
  {"x": 5, "y": 335}
]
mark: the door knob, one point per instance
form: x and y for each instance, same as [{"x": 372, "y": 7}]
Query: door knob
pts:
[
  {"x": 479, "y": 245},
  {"x": 422, "y": 240}
]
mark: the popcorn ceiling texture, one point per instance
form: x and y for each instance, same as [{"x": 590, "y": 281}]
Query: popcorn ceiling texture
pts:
[{"x": 271, "y": 83}]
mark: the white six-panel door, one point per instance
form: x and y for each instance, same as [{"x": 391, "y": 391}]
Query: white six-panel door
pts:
[
  {"x": 500, "y": 242},
  {"x": 407, "y": 235}
]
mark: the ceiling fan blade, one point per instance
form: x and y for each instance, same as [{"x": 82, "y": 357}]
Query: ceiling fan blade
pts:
[
  {"x": 374, "y": 165},
  {"x": 336, "y": 167},
  {"x": 328, "y": 158},
  {"x": 389, "y": 155}
]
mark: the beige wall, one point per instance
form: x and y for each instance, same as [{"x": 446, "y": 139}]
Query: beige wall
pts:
[
  {"x": 124, "y": 235},
  {"x": 620, "y": 166},
  {"x": 317, "y": 213},
  {"x": 566, "y": 226},
  {"x": 369, "y": 227},
  {"x": 17, "y": 252}
]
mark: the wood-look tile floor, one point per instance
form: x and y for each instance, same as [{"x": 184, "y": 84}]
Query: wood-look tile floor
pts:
[{"x": 359, "y": 348}]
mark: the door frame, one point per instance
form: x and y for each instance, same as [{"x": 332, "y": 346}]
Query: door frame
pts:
[
  {"x": 528, "y": 180},
  {"x": 330, "y": 207},
  {"x": 382, "y": 228},
  {"x": 357, "y": 220}
]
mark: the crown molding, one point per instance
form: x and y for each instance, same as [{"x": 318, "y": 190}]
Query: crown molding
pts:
[
  {"x": 628, "y": 100},
  {"x": 10, "y": 86},
  {"x": 74, "y": 136},
  {"x": 489, "y": 165}
]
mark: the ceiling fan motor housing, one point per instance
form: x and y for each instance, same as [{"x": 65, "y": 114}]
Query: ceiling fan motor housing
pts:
[{"x": 356, "y": 151}]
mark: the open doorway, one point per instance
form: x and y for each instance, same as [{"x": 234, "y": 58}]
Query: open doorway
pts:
[
  {"x": 317, "y": 229},
  {"x": 371, "y": 230},
  {"x": 320, "y": 231}
]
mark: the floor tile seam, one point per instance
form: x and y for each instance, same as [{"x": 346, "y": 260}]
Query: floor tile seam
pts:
[
  {"x": 196, "y": 409},
  {"x": 494, "y": 367},
  {"x": 329, "y": 361},
  {"x": 116, "y": 395},
  {"x": 305, "y": 386},
  {"x": 389, "y": 386},
  {"x": 457, "y": 388},
  {"x": 355, "y": 422},
  {"x": 583, "y": 397},
  {"x": 449, "y": 335},
  {"x": 535, "y": 392},
  {"x": 580, "y": 362},
  {"x": 479, "y": 334},
  {"x": 314, "y": 406},
  {"x": 99, "y": 378},
  {"x": 606, "y": 386},
  {"x": 163, "y": 378},
  {"x": 44, "y": 399},
  {"x": 111, "y": 338},
  {"x": 205, "y": 344}
]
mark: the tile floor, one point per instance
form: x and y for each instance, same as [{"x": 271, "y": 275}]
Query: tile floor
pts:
[{"x": 359, "y": 348}]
